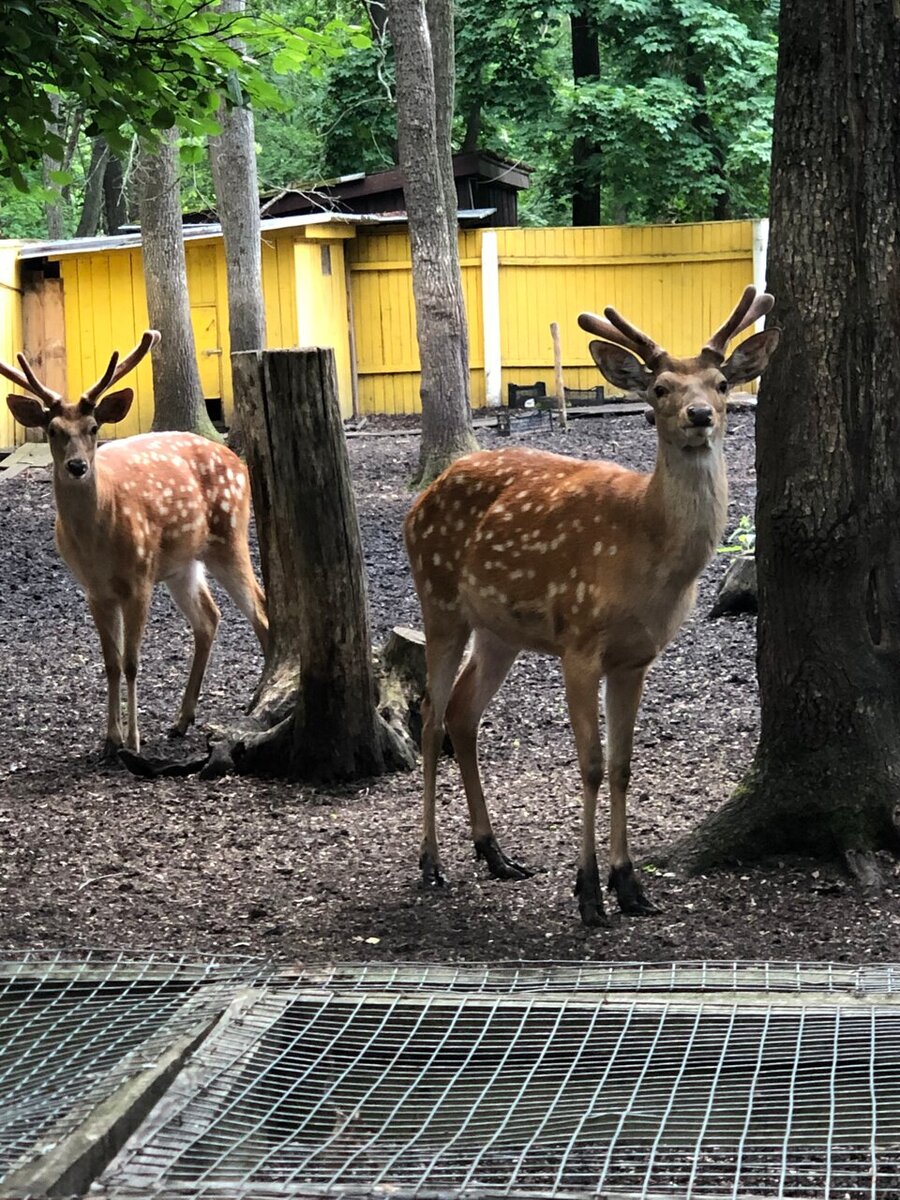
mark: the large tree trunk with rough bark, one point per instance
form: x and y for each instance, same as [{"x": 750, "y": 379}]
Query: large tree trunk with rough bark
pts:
[
  {"x": 178, "y": 399},
  {"x": 317, "y": 705},
  {"x": 423, "y": 49},
  {"x": 826, "y": 776},
  {"x": 233, "y": 159}
]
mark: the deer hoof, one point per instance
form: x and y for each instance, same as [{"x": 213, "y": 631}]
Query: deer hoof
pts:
[
  {"x": 432, "y": 875},
  {"x": 633, "y": 900},
  {"x": 110, "y": 751},
  {"x": 499, "y": 866},
  {"x": 590, "y": 897}
]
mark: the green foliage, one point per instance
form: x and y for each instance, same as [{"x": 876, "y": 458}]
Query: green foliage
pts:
[{"x": 742, "y": 540}]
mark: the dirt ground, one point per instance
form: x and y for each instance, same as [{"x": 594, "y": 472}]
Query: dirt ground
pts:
[{"x": 93, "y": 857}]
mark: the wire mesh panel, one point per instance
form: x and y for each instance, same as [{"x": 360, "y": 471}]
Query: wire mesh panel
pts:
[
  {"x": 72, "y": 1029},
  {"x": 488, "y": 1087}
]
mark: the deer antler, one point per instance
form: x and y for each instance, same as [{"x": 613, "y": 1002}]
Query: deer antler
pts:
[
  {"x": 115, "y": 369},
  {"x": 748, "y": 309},
  {"x": 622, "y": 333},
  {"x": 30, "y": 382}
]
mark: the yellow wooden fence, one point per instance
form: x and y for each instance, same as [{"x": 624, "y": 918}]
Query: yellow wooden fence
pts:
[
  {"x": 676, "y": 281},
  {"x": 350, "y": 287}
]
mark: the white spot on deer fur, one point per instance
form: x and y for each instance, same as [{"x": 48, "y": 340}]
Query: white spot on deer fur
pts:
[
  {"x": 239, "y": 483},
  {"x": 459, "y": 525},
  {"x": 526, "y": 507},
  {"x": 516, "y": 574},
  {"x": 573, "y": 573},
  {"x": 230, "y": 473},
  {"x": 580, "y": 591},
  {"x": 613, "y": 549},
  {"x": 234, "y": 520},
  {"x": 167, "y": 492},
  {"x": 598, "y": 548},
  {"x": 436, "y": 560},
  {"x": 225, "y": 505}
]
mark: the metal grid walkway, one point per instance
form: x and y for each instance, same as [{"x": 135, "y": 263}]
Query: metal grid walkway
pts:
[{"x": 704, "y": 1080}]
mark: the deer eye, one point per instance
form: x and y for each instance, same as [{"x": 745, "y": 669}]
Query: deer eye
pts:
[
  {"x": 93, "y": 428},
  {"x": 722, "y": 387},
  {"x": 660, "y": 391}
]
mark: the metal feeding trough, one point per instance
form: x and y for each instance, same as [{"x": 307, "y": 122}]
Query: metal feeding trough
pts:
[{"x": 531, "y": 1080}]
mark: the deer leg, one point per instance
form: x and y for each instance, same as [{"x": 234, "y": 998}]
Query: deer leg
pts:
[
  {"x": 190, "y": 593},
  {"x": 443, "y": 653},
  {"x": 582, "y": 680},
  {"x": 108, "y": 619},
  {"x": 623, "y": 695},
  {"x": 234, "y": 571},
  {"x": 487, "y": 666},
  {"x": 134, "y": 615}
]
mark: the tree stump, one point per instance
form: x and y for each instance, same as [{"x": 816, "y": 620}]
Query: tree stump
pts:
[{"x": 314, "y": 716}]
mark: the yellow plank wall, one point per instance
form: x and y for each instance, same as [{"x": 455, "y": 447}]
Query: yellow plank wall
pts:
[
  {"x": 10, "y": 331},
  {"x": 678, "y": 282}
]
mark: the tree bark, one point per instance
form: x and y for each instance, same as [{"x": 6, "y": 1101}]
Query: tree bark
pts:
[
  {"x": 319, "y": 684},
  {"x": 92, "y": 205},
  {"x": 424, "y": 111},
  {"x": 826, "y": 775},
  {"x": 115, "y": 206},
  {"x": 178, "y": 398},
  {"x": 232, "y": 157},
  {"x": 585, "y": 150}
]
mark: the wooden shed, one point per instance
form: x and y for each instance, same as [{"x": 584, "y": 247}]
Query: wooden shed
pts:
[
  {"x": 81, "y": 299},
  {"x": 346, "y": 281}
]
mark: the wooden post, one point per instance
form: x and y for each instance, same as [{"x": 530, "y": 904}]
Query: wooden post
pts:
[
  {"x": 558, "y": 376},
  {"x": 319, "y": 678}
]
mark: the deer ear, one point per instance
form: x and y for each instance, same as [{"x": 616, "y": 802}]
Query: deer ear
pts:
[
  {"x": 114, "y": 407},
  {"x": 751, "y": 357},
  {"x": 620, "y": 367},
  {"x": 28, "y": 411}
]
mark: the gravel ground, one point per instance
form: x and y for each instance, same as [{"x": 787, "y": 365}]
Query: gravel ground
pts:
[{"x": 93, "y": 857}]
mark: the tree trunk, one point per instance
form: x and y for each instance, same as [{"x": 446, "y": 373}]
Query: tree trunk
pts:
[
  {"x": 826, "y": 776},
  {"x": 53, "y": 209},
  {"x": 92, "y": 205},
  {"x": 115, "y": 206},
  {"x": 424, "y": 108},
  {"x": 585, "y": 150},
  {"x": 319, "y": 683},
  {"x": 178, "y": 399},
  {"x": 233, "y": 159}
]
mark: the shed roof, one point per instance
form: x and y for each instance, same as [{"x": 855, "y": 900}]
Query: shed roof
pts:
[{"x": 213, "y": 229}]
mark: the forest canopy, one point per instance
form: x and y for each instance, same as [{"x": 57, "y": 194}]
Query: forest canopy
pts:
[{"x": 674, "y": 125}]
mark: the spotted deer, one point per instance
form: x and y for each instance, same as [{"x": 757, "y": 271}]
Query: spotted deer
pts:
[
  {"x": 588, "y": 561},
  {"x": 158, "y": 507}
]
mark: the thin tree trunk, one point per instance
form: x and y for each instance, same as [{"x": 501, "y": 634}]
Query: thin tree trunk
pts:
[
  {"x": 826, "y": 776},
  {"x": 92, "y": 205},
  {"x": 233, "y": 159},
  {"x": 585, "y": 150},
  {"x": 423, "y": 127},
  {"x": 115, "y": 205},
  {"x": 178, "y": 399},
  {"x": 53, "y": 209}
]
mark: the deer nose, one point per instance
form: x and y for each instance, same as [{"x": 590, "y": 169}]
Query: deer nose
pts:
[
  {"x": 700, "y": 414},
  {"x": 77, "y": 467}
]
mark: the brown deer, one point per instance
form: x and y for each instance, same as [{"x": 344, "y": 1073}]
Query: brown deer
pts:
[
  {"x": 587, "y": 561},
  {"x": 131, "y": 513}
]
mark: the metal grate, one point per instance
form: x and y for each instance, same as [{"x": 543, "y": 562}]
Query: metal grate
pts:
[
  {"x": 71, "y": 1028},
  {"x": 706, "y": 1080}
]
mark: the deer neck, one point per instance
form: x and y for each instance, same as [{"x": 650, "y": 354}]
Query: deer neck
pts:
[{"x": 688, "y": 493}]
